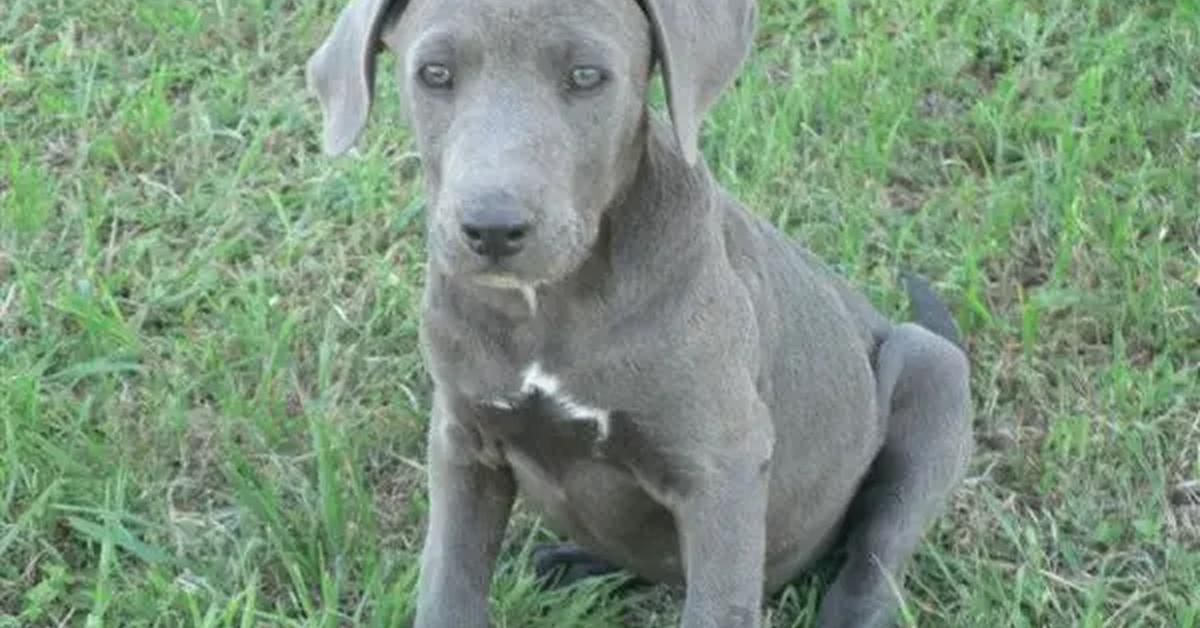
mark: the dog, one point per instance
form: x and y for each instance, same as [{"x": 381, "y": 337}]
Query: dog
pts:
[{"x": 675, "y": 386}]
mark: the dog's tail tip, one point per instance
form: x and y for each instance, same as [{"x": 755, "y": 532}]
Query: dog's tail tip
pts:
[{"x": 928, "y": 310}]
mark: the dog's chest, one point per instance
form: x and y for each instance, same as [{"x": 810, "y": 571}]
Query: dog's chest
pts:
[
  {"x": 541, "y": 423},
  {"x": 569, "y": 457},
  {"x": 542, "y": 395}
]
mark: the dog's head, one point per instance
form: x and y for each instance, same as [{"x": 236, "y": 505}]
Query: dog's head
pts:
[{"x": 528, "y": 114}]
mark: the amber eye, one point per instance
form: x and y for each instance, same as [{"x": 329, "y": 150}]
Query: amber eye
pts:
[
  {"x": 586, "y": 77},
  {"x": 436, "y": 75}
]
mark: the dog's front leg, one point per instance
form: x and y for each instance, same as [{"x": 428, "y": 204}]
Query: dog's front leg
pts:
[
  {"x": 722, "y": 527},
  {"x": 469, "y": 506},
  {"x": 721, "y": 519}
]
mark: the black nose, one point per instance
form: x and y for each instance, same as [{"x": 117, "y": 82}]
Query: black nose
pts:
[{"x": 495, "y": 232}]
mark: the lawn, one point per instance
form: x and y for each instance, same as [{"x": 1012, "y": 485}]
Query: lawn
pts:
[{"x": 211, "y": 401}]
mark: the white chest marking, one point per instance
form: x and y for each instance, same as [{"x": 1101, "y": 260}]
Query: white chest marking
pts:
[
  {"x": 535, "y": 380},
  {"x": 530, "y": 294}
]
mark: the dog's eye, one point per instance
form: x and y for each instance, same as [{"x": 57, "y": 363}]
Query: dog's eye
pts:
[
  {"x": 436, "y": 75},
  {"x": 586, "y": 77}
]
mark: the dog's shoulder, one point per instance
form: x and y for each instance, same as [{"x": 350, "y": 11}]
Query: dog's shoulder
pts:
[{"x": 793, "y": 284}]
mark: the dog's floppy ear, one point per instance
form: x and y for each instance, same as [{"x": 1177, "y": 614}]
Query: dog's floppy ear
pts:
[
  {"x": 700, "y": 46},
  {"x": 342, "y": 70}
]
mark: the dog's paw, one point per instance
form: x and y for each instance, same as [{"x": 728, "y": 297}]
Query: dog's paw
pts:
[{"x": 560, "y": 565}]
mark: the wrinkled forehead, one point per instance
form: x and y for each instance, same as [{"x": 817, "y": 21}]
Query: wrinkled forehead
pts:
[{"x": 511, "y": 24}]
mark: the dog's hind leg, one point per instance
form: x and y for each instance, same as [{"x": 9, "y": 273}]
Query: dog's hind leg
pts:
[{"x": 922, "y": 381}]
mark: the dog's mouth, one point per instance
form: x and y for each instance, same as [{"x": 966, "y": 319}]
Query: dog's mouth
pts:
[
  {"x": 501, "y": 280},
  {"x": 503, "y": 274}
]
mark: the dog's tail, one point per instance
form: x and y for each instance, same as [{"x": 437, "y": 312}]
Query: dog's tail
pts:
[{"x": 928, "y": 309}]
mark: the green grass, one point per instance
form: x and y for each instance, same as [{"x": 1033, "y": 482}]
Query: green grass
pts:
[{"x": 212, "y": 406}]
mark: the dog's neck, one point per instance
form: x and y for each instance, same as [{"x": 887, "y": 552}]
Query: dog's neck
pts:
[
  {"x": 665, "y": 216},
  {"x": 659, "y": 227}
]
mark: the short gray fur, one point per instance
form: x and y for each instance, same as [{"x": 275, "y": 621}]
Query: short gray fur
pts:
[{"x": 671, "y": 382}]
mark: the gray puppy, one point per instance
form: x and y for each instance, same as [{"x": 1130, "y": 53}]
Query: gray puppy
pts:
[{"x": 671, "y": 382}]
